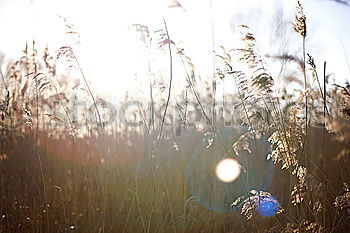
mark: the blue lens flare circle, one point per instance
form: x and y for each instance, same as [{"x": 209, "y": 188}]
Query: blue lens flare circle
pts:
[{"x": 268, "y": 206}]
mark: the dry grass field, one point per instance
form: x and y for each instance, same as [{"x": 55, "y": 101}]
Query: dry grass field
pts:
[{"x": 96, "y": 168}]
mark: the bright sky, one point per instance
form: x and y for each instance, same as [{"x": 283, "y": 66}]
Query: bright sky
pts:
[{"x": 110, "y": 54}]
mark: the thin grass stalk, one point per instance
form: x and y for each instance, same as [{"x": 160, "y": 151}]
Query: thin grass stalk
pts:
[
  {"x": 67, "y": 115},
  {"x": 312, "y": 64},
  {"x": 207, "y": 118},
  {"x": 185, "y": 112},
  {"x": 170, "y": 81},
  {"x": 304, "y": 147},
  {"x": 64, "y": 207},
  {"x": 151, "y": 123},
  {"x": 169, "y": 201},
  {"x": 194, "y": 92},
  {"x": 301, "y": 28},
  {"x": 36, "y": 131},
  {"x": 154, "y": 152},
  {"x": 138, "y": 202},
  {"x": 129, "y": 214},
  {"x": 151, "y": 211},
  {"x": 90, "y": 92},
  {"x": 214, "y": 63},
  {"x": 305, "y": 87}
]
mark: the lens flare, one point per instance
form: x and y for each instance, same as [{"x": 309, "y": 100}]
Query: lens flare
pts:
[
  {"x": 228, "y": 170},
  {"x": 268, "y": 206}
]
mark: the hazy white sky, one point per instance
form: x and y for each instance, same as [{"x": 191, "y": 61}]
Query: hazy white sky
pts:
[{"x": 110, "y": 54}]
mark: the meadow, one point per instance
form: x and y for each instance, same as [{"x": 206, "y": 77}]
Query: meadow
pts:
[{"x": 72, "y": 162}]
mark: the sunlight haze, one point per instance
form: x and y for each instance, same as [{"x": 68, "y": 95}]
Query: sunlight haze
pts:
[{"x": 110, "y": 53}]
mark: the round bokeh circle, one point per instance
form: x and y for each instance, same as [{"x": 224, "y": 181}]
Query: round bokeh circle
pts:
[{"x": 216, "y": 195}]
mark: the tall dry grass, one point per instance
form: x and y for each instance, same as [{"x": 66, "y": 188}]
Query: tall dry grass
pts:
[{"x": 58, "y": 175}]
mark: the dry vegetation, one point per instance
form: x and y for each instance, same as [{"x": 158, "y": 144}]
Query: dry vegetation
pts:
[{"x": 61, "y": 172}]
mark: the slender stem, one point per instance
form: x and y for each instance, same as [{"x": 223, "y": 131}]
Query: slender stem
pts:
[
  {"x": 151, "y": 97},
  {"x": 304, "y": 148},
  {"x": 319, "y": 86},
  {"x": 207, "y": 118},
  {"x": 137, "y": 197},
  {"x": 170, "y": 81},
  {"x": 214, "y": 64},
  {"x": 89, "y": 90},
  {"x": 129, "y": 214},
  {"x": 168, "y": 197},
  {"x": 36, "y": 131},
  {"x": 305, "y": 86}
]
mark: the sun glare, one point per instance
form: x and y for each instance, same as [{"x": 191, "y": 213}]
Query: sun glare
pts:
[
  {"x": 228, "y": 170},
  {"x": 109, "y": 51}
]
